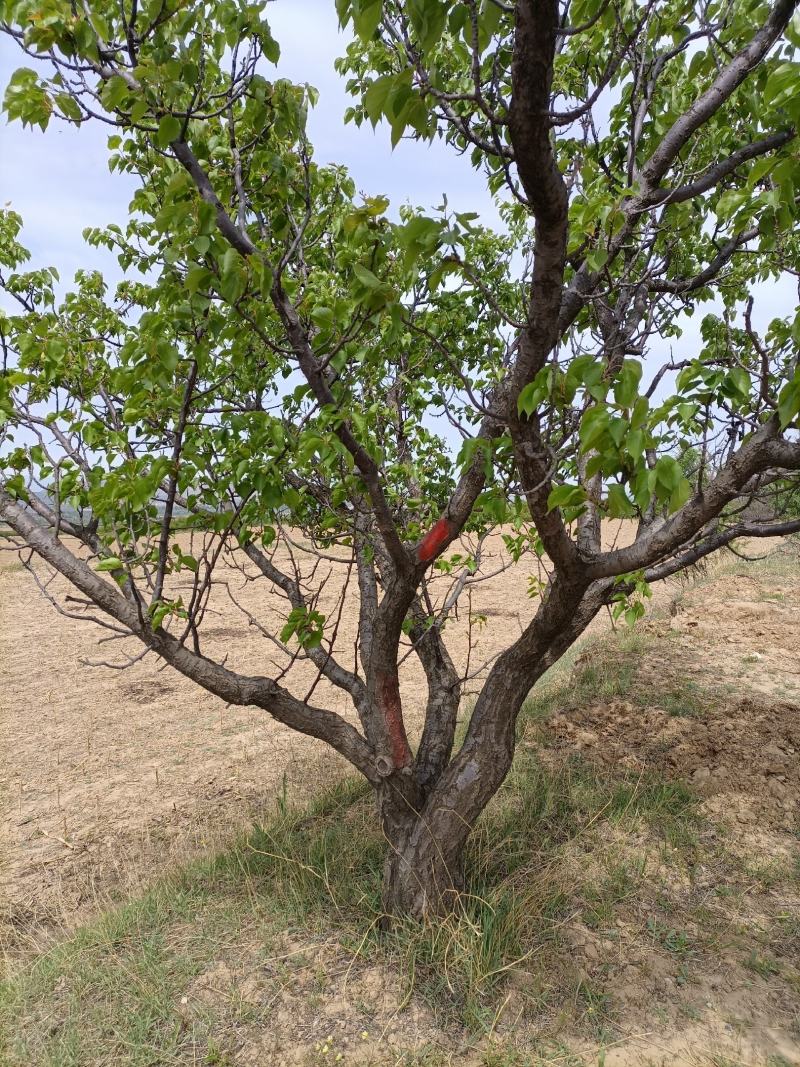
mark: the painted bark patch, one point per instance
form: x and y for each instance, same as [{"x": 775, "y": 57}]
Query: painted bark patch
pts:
[
  {"x": 389, "y": 700},
  {"x": 433, "y": 540}
]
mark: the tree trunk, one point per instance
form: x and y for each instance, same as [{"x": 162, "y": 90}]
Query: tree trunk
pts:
[
  {"x": 424, "y": 869},
  {"x": 423, "y": 875},
  {"x": 427, "y": 822}
]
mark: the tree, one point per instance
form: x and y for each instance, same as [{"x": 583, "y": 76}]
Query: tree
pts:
[{"x": 281, "y": 354}]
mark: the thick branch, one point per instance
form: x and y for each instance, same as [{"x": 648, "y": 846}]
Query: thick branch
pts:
[
  {"x": 713, "y": 175},
  {"x": 706, "y": 546},
  {"x": 235, "y": 237},
  {"x": 762, "y": 451},
  {"x": 444, "y": 694},
  {"x": 679, "y": 286},
  {"x": 721, "y": 89},
  {"x": 232, "y": 687},
  {"x": 529, "y": 124}
]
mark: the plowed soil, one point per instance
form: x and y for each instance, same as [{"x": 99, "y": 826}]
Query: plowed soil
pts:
[{"x": 110, "y": 775}]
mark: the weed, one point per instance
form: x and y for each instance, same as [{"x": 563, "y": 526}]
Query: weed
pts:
[
  {"x": 675, "y": 941},
  {"x": 591, "y": 671},
  {"x": 765, "y": 966},
  {"x": 115, "y": 989},
  {"x": 596, "y": 1006},
  {"x": 772, "y": 873},
  {"x": 603, "y": 897},
  {"x": 687, "y": 702}
]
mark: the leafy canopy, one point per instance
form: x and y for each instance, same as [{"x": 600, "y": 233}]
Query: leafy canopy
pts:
[{"x": 279, "y": 342}]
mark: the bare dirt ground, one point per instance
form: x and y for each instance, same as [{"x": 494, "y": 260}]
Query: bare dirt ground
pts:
[
  {"x": 684, "y": 955},
  {"x": 109, "y": 777},
  {"x": 703, "y": 960}
]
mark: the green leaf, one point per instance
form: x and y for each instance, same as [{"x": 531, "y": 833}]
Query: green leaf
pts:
[
  {"x": 115, "y": 92},
  {"x": 680, "y": 494},
  {"x": 783, "y": 83},
  {"x": 738, "y": 383},
  {"x": 376, "y": 205},
  {"x": 266, "y": 279},
  {"x": 323, "y": 317},
  {"x": 69, "y": 107},
  {"x": 789, "y": 401},
  {"x": 139, "y": 110},
  {"x": 270, "y": 48},
  {"x": 110, "y": 563},
  {"x": 530, "y": 398},
  {"x": 366, "y": 16},
  {"x": 169, "y": 129},
  {"x": 376, "y": 96},
  {"x": 626, "y": 386},
  {"x": 99, "y": 25},
  {"x": 490, "y": 18},
  {"x": 617, "y": 503},
  {"x": 233, "y": 276},
  {"x": 597, "y": 258},
  {"x": 26, "y": 99},
  {"x": 198, "y": 277},
  {"x": 160, "y": 613},
  {"x": 594, "y": 426},
  {"x": 306, "y": 625},
  {"x": 365, "y": 276},
  {"x": 429, "y": 20},
  {"x": 566, "y": 496},
  {"x": 730, "y": 202}
]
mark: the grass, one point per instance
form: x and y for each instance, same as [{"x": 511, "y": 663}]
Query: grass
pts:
[
  {"x": 608, "y": 669},
  {"x": 114, "y": 990},
  {"x": 590, "y": 672},
  {"x": 765, "y": 966},
  {"x": 779, "y": 559},
  {"x": 563, "y": 842}
]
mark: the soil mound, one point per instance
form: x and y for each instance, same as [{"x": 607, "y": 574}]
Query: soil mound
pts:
[{"x": 747, "y": 751}]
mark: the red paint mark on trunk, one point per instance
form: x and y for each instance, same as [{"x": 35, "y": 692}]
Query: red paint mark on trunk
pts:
[
  {"x": 389, "y": 699},
  {"x": 433, "y": 540}
]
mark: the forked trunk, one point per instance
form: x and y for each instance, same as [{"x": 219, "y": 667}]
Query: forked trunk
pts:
[
  {"x": 421, "y": 875},
  {"x": 425, "y": 870},
  {"x": 427, "y": 822}
]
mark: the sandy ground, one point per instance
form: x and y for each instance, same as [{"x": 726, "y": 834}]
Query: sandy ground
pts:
[
  {"x": 110, "y": 775},
  {"x": 697, "y": 962}
]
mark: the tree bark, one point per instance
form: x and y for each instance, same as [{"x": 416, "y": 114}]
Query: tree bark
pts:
[
  {"x": 423, "y": 875},
  {"x": 427, "y": 830}
]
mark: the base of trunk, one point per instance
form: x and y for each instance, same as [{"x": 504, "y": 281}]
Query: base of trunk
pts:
[{"x": 421, "y": 878}]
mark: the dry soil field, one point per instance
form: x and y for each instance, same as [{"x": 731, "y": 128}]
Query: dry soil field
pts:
[{"x": 110, "y": 777}]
